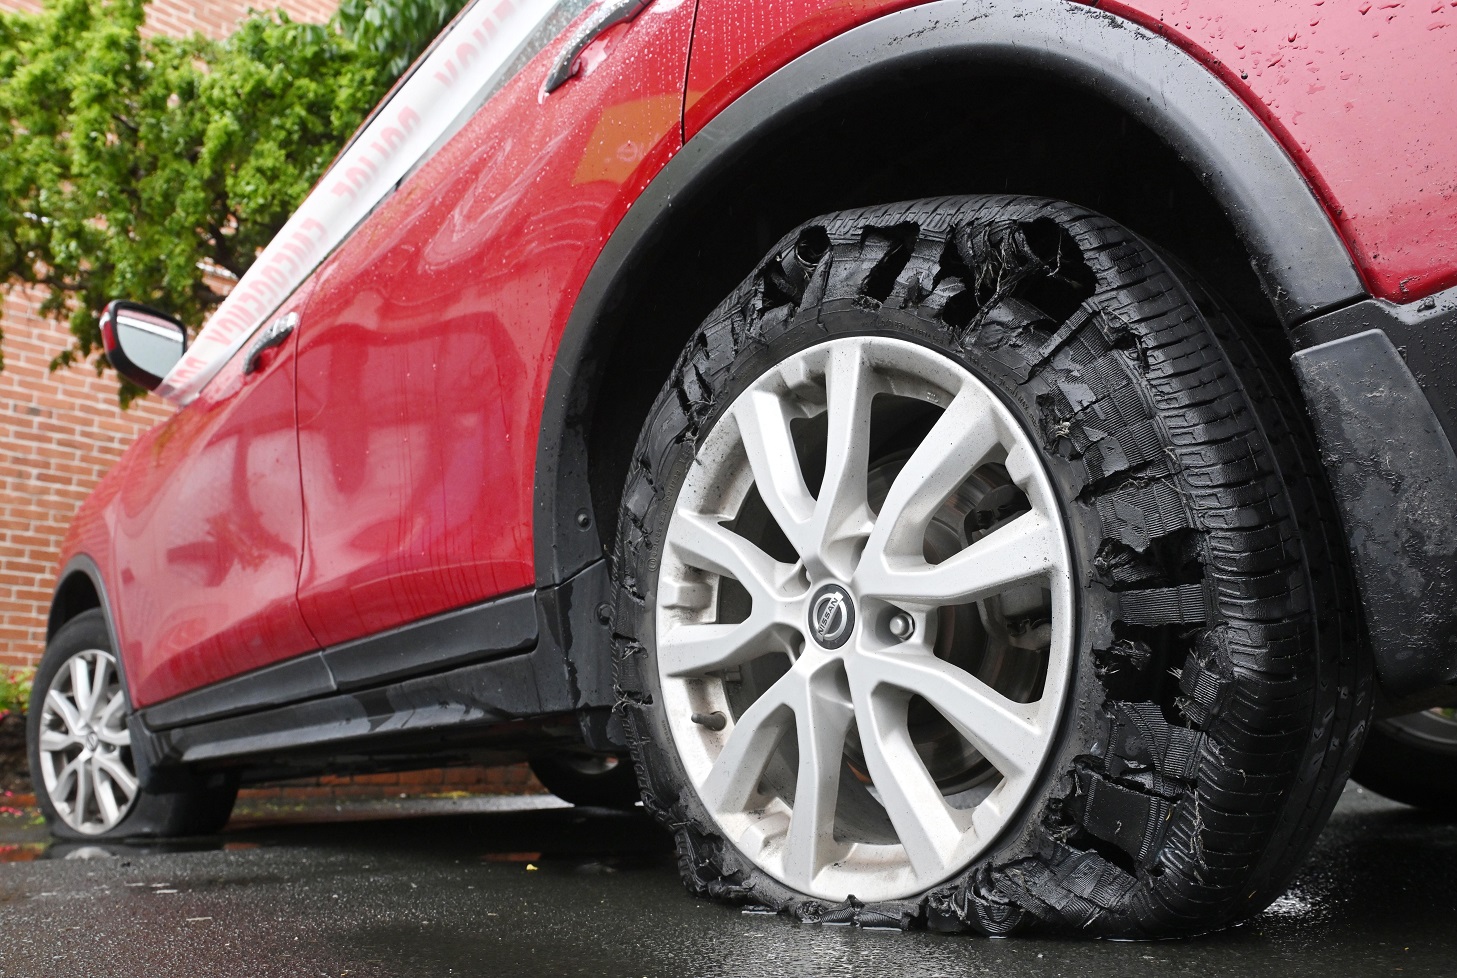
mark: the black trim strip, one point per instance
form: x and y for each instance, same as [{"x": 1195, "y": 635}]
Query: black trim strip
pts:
[
  {"x": 293, "y": 679},
  {"x": 495, "y": 628},
  {"x": 498, "y": 627},
  {"x": 415, "y": 712}
]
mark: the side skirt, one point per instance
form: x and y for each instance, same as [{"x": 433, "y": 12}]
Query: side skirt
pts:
[{"x": 448, "y": 681}]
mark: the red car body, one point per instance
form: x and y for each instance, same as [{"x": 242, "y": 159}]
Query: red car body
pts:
[{"x": 437, "y": 434}]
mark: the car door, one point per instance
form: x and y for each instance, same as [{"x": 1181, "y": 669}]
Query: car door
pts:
[
  {"x": 424, "y": 354},
  {"x": 209, "y": 531}
]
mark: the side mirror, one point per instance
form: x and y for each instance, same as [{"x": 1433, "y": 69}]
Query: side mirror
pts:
[{"x": 142, "y": 344}]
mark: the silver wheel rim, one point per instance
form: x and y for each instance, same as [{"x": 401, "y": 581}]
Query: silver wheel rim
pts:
[
  {"x": 1434, "y": 729},
  {"x": 784, "y": 767},
  {"x": 85, "y": 748}
]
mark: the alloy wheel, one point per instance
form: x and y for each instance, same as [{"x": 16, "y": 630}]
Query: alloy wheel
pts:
[
  {"x": 85, "y": 747},
  {"x": 863, "y": 619},
  {"x": 1434, "y": 729}
]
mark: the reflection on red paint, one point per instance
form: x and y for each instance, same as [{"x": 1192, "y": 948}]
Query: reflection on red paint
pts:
[
  {"x": 425, "y": 353},
  {"x": 208, "y": 534}
]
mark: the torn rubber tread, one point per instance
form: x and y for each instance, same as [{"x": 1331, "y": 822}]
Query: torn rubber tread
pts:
[
  {"x": 1141, "y": 737},
  {"x": 1166, "y": 434},
  {"x": 1134, "y": 821}
]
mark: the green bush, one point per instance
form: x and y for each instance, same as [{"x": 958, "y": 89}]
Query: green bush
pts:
[
  {"x": 133, "y": 166},
  {"x": 15, "y": 691}
]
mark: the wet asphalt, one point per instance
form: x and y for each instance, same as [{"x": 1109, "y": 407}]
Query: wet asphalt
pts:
[{"x": 531, "y": 887}]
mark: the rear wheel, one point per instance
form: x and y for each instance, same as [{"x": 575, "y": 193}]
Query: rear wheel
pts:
[
  {"x": 1413, "y": 759},
  {"x": 81, "y": 763},
  {"x": 966, "y": 577},
  {"x": 596, "y": 780}
]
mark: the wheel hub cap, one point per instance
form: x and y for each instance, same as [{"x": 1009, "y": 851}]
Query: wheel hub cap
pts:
[{"x": 832, "y": 616}]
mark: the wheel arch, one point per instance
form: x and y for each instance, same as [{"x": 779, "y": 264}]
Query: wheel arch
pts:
[
  {"x": 80, "y": 589},
  {"x": 906, "y": 106}
]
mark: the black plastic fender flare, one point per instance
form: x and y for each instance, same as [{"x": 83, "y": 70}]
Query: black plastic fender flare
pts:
[
  {"x": 1301, "y": 261},
  {"x": 82, "y": 565}
]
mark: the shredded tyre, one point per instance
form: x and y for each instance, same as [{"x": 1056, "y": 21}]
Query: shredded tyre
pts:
[{"x": 1217, "y": 692}]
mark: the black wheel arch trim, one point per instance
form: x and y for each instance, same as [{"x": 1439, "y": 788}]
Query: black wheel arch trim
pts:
[
  {"x": 81, "y": 565},
  {"x": 1301, "y": 261}
]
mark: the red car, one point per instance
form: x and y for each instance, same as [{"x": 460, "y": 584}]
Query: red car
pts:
[{"x": 964, "y": 464}]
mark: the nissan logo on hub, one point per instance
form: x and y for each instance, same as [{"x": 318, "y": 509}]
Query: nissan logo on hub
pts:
[{"x": 832, "y": 616}]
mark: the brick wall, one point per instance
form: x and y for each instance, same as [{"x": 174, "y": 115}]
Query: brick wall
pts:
[
  {"x": 216, "y": 18},
  {"x": 60, "y": 432}
]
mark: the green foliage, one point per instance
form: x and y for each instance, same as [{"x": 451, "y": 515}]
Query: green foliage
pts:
[
  {"x": 15, "y": 691},
  {"x": 395, "y": 31},
  {"x": 133, "y": 166}
]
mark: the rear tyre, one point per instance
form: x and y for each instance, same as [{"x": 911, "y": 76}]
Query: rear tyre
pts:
[
  {"x": 966, "y": 577},
  {"x": 81, "y": 762},
  {"x": 1413, "y": 759},
  {"x": 587, "y": 779}
]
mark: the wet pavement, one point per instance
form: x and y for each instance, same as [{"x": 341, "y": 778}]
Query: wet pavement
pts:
[{"x": 530, "y": 887}]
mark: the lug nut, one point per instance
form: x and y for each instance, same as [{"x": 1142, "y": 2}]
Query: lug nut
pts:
[{"x": 902, "y": 626}]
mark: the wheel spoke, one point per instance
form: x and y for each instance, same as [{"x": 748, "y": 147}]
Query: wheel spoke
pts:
[
  {"x": 1019, "y": 552},
  {"x": 963, "y": 438},
  {"x": 105, "y": 797},
  {"x": 63, "y": 788},
  {"x": 734, "y": 778},
  {"x": 689, "y": 649},
  {"x": 67, "y": 711},
  {"x": 700, "y": 542},
  {"x": 118, "y": 775},
  {"x": 822, "y": 718},
  {"x": 55, "y": 740},
  {"x": 841, "y": 515},
  {"x": 83, "y": 788},
  {"x": 764, "y": 429},
  {"x": 100, "y": 676},
  {"x": 1004, "y": 731},
  {"x": 111, "y": 725},
  {"x": 81, "y": 685},
  {"x": 692, "y": 648},
  {"x": 922, "y": 819}
]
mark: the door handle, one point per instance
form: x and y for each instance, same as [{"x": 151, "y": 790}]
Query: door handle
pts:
[
  {"x": 278, "y": 331},
  {"x": 609, "y": 13}
]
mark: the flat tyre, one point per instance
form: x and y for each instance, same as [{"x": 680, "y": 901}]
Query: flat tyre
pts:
[{"x": 966, "y": 576}]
